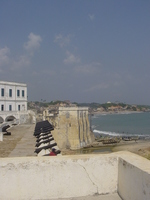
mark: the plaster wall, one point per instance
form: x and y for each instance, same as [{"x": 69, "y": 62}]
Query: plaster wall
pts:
[
  {"x": 24, "y": 178},
  {"x": 21, "y": 117},
  {"x": 1, "y": 136},
  {"x": 14, "y": 100},
  {"x": 14, "y": 87},
  {"x": 57, "y": 177},
  {"x": 133, "y": 177}
]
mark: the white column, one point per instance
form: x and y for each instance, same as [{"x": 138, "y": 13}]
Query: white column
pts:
[{"x": 1, "y": 136}]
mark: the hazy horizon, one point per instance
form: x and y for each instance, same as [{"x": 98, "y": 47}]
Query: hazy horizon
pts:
[{"x": 44, "y": 101}]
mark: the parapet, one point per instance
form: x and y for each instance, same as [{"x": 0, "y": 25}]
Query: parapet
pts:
[{"x": 75, "y": 176}]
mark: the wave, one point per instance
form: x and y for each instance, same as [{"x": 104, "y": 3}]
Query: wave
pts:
[
  {"x": 93, "y": 126},
  {"x": 114, "y": 134}
]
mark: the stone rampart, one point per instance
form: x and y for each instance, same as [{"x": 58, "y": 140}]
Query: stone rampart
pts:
[
  {"x": 75, "y": 176},
  {"x": 72, "y": 128}
]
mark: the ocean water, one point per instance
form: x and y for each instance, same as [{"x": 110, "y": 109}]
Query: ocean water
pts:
[{"x": 130, "y": 124}]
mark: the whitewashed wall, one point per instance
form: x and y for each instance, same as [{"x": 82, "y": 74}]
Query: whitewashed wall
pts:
[
  {"x": 14, "y": 101},
  {"x": 75, "y": 176},
  {"x": 133, "y": 177},
  {"x": 57, "y": 177}
]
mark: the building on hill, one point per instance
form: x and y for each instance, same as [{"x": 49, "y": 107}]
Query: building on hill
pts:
[{"x": 108, "y": 102}]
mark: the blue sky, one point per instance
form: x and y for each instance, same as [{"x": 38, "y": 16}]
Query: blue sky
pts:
[{"x": 77, "y": 50}]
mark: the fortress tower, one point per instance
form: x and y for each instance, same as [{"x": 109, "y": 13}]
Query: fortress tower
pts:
[{"x": 72, "y": 127}]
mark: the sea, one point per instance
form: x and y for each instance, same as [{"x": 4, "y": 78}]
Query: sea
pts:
[{"x": 122, "y": 125}]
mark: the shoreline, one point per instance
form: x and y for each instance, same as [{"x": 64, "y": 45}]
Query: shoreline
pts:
[
  {"x": 140, "y": 147},
  {"x": 121, "y": 125},
  {"x": 114, "y": 112}
]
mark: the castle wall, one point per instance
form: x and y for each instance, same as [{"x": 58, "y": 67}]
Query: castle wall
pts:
[{"x": 72, "y": 128}]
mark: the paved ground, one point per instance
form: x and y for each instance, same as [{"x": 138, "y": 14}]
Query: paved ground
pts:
[{"x": 20, "y": 143}]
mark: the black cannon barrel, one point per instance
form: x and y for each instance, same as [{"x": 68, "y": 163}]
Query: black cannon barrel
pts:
[
  {"x": 42, "y": 134},
  {"x": 44, "y": 142},
  {"x": 42, "y": 126},
  {"x": 37, "y": 134},
  {"x": 57, "y": 151},
  {"x": 46, "y": 130},
  {"x": 5, "y": 128},
  {"x": 45, "y": 147},
  {"x": 44, "y": 138},
  {"x": 7, "y": 133}
]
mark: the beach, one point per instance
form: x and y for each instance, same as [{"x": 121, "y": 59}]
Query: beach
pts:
[
  {"x": 20, "y": 143},
  {"x": 140, "y": 147}
]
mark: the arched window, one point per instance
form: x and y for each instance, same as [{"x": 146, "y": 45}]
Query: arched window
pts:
[
  {"x": 1, "y": 120},
  {"x": 9, "y": 118}
]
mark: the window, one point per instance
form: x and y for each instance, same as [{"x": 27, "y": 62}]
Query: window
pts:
[
  {"x": 10, "y": 107},
  {"x": 10, "y": 92},
  {"x": 2, "y": 92},
  {"x": 18, "y": 93},
  {"x": 19, "y": 107},
  {"x": 2, "y": 107},
  {"x": 22, "y": 93}
]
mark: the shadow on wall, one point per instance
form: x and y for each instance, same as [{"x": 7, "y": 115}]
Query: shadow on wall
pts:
[
  {"x": 1, "y": 120},
  {"x": 10, "y": 118}
]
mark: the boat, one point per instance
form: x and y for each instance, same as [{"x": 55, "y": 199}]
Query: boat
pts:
[
  {"x": 111, "y": 141},
  {"x": 130, "y": 138}
]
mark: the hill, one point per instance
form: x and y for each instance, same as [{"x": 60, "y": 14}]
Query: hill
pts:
[{"x": 93, "y": 107}]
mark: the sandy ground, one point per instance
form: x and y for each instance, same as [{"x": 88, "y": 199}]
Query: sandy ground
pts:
[
  {"x": 21, "y": 142},
  {"x": 140, "y": 147}
]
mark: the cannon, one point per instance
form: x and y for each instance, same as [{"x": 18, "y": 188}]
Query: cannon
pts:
[{"x": 45, "y": 147}]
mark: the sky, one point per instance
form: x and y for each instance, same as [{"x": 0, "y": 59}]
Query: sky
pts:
[{"x": 77, "y": 50}]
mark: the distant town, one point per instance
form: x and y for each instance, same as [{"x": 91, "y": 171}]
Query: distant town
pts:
[{"x": 110, "y": 107}]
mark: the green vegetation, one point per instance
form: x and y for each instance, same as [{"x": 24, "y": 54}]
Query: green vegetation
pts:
[{"x": 93, "y": 106}]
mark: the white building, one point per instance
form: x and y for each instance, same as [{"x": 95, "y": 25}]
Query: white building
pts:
[
  {"x": 13, "y": 96},
  {"x": 13, "y": 102}
]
